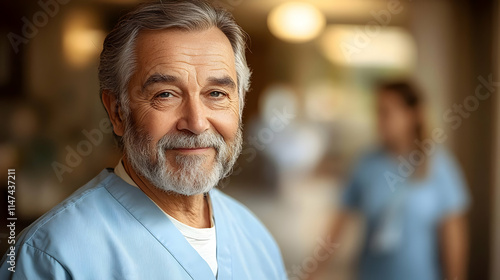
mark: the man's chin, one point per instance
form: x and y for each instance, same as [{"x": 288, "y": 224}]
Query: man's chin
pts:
[
  {"x": 201, "y": 153},
  {"x": 189, "y": 163},
  {"x": 188, "y": 180}
]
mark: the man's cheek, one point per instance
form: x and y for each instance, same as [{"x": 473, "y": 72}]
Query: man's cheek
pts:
[{"x": 228, "y": 129}]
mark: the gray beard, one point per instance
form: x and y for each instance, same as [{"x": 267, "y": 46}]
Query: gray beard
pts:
[{"x": 191, "y": 176}]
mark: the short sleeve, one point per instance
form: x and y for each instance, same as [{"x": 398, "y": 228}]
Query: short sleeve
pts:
[
  {"x": 455, "y": 195},
  {"x": 32, "y": 263}
]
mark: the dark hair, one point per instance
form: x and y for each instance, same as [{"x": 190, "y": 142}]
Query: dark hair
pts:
[
  {"x": 411, "y": 97},
  {"x": 407, "y": 91}
]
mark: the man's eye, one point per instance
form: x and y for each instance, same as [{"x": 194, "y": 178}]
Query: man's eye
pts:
[
  {"x": 164, "y": 95},
  {"x": 216, "y": 94}
]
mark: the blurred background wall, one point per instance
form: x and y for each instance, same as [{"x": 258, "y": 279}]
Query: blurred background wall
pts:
[{"x": 309, "y": 115}]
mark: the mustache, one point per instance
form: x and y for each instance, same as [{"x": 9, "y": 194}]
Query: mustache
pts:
[{"x": 191, "y": 141}]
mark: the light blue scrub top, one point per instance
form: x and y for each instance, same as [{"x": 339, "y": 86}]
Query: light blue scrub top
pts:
[
  {"x": 109, "y": 229},
  {"x": 402, "y": 238}
]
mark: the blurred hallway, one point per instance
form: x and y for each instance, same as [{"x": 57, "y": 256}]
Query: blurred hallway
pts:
[{"x": 309, "y": 115}]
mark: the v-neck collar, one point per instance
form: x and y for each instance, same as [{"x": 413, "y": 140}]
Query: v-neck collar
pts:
[{"x": 138, "y": 204}]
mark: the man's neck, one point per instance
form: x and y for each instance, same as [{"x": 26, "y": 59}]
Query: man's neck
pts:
[{"x": 190, "y": 210}]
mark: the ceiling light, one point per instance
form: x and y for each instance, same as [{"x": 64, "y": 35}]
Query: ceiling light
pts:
[{"x": 296, "y": 22}]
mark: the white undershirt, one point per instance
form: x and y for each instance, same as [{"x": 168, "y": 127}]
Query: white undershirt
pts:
[{"x": 203, "y": 240}]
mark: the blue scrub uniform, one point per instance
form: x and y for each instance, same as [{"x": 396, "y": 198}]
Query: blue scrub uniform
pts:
[
  {"x": 109, "y": 229},
  {"x": 403, "y": 219}
]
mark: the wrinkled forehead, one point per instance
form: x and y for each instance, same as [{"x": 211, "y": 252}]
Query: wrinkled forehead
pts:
[{"x": 183, "y": 50}]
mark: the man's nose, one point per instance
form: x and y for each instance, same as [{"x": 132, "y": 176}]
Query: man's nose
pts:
[{"x": 193, "y": 117}]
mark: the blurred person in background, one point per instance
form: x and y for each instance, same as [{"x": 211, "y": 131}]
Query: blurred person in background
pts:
[
  {"x": 412, "y": 196},
  {"x": 173, "y": 77}
]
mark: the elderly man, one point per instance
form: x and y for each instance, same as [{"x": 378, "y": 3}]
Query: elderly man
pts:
[{"x": 173, "y": 80}]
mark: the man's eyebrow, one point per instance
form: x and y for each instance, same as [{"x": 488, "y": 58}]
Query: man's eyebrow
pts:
[
  {"x": 159, "y": 78},
  {"x": 223, "y": 81}
]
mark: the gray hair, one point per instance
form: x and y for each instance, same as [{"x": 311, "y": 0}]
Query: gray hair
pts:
[{"x": 118, "y": 61}]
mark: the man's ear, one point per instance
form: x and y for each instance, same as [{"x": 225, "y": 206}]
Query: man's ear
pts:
[{"x": 114, "y": 112}]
